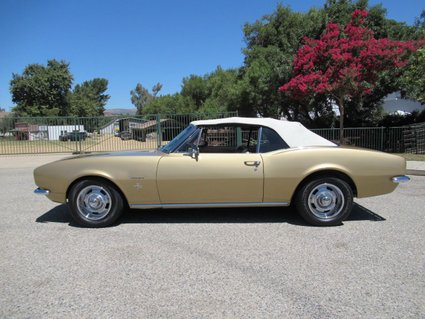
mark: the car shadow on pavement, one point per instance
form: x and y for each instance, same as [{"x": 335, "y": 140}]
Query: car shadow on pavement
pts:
[
  {"x": 60, "y": 214},
  {"x": 360, "y": 212}
]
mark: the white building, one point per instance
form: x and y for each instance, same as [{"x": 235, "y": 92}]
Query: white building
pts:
[{"x": 54, "y": 131}]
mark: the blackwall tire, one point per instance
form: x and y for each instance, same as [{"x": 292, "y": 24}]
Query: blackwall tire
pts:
[
  {"x": 324, "y": 201},
  {"x": 95, "y": 203}
]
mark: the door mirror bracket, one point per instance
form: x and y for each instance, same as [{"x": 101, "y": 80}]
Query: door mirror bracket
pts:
[{"x": 193, "y": 152}]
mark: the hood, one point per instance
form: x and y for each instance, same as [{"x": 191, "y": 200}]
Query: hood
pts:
[{"x": 116, "y": 154}]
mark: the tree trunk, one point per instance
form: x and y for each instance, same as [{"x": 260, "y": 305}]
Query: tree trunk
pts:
[{"x": 341, "y": 121}]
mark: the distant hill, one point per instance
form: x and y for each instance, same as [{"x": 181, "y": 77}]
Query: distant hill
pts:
[{"x": 119, "y": 112}]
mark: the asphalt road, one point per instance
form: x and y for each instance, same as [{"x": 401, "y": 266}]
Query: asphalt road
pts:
[{"x": 230, "y": 263}]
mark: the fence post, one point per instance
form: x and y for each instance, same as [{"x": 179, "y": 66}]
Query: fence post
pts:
[
  {"x": 158, "y": 130},
  {"x": 78, "y": 136},
  {"x": 382, "y": 139},
  {"x": 75, "y": 123}
]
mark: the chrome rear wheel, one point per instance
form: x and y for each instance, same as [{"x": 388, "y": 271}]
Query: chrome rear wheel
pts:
[
  {"x": 323, "y": 201},
  {"x": 326, "y": 201}
]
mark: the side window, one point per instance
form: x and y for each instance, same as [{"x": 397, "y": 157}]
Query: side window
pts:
[
  {"x": 218, "y": 139},
  {"x": 228, "y": 139},
  {"x": 271, "y": 141}
]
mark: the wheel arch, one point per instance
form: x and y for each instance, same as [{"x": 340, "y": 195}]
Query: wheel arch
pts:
[
  {"x": 327, "y": 173},
  {"x": 98, "y": 178}
]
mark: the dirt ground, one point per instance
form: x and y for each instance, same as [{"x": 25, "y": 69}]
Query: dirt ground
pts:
[{"x": 99, "y": 143}]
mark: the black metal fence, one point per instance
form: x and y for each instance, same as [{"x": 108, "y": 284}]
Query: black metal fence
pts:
[
  {"x": 121, "y": 133},
  {"x": 405, "y": 139},
  {"x": 37, "y": 135}
]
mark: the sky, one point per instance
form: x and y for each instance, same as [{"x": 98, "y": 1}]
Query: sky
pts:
[{"x": 139, "y": 41}]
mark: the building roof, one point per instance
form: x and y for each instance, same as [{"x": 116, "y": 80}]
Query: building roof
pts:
[
  {"x": 293, "y": 133},
  {"x": 116, "y": 120}
]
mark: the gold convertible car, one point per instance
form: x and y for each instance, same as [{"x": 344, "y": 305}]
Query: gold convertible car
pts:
[{"x": 229, "y": 162}]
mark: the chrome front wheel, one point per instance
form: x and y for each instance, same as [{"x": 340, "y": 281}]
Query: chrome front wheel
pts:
[{"x": 95, "y": 203}]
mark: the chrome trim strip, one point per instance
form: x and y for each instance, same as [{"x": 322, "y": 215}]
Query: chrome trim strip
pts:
[
  {"x": 260, "y": 135},
  {"x": 41, "y": 191},
  {"x": 209, "y": 205},
  {"x": 400, "y": 179}
]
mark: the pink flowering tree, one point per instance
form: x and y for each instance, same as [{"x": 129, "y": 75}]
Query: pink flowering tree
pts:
[{"x": 345, "y": 62}]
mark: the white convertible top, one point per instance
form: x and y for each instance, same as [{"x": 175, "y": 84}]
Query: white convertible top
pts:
[{"x": 293, "y": 133}]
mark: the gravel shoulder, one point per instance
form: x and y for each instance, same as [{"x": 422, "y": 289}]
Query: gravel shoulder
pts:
[{"x": 228, "y": 263}]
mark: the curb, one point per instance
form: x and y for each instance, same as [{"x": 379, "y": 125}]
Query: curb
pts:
[{"x": 415, "y": 172}]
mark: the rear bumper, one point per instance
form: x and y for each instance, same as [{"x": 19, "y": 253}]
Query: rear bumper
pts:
[
  {"x": 400, "y": 179},
  {"x": 41, "y": 191}
]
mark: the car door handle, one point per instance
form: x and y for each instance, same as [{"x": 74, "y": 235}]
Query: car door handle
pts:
[{"x": 252, "y": 163}]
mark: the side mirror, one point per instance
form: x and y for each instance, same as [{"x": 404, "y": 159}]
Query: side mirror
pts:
[{"x": 193, "y": 152}]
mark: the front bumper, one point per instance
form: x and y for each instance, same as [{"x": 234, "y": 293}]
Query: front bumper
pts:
[
  {"x": 41, "y": 191},
  {"x": 400, "y": 179}
]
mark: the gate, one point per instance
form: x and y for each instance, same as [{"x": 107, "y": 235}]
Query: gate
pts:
[{"x": 38, "y": 135}]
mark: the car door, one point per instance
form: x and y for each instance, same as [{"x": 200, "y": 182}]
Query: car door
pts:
[{"x": 217, "y": 178}]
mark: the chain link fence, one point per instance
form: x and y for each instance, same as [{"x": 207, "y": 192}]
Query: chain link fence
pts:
[{"x": 19, "y": 135}]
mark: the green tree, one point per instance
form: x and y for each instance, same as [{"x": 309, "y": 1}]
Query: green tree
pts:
[
  {"x": 196, "y": 88},
  {"x": 264, "y": 68},
  {"x": 141, "y": 97},
  {"x": 223, "y": 91},
  {"x": 211, "y": 93},
  {"x": 414, "y": 77},
  {"x": 156, "y": 88},
  {"x": 271, "y": 44},
  {"x": 42, "y": 90},
  {"x": 170, "y": 104},
  {"x": 89, "y": 98}
]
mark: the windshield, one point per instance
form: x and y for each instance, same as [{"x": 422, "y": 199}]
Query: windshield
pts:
[{"x": 179, "y": 139}]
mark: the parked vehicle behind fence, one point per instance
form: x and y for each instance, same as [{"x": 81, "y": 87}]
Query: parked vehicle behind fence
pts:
[{"x": 73, "y": 136}]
